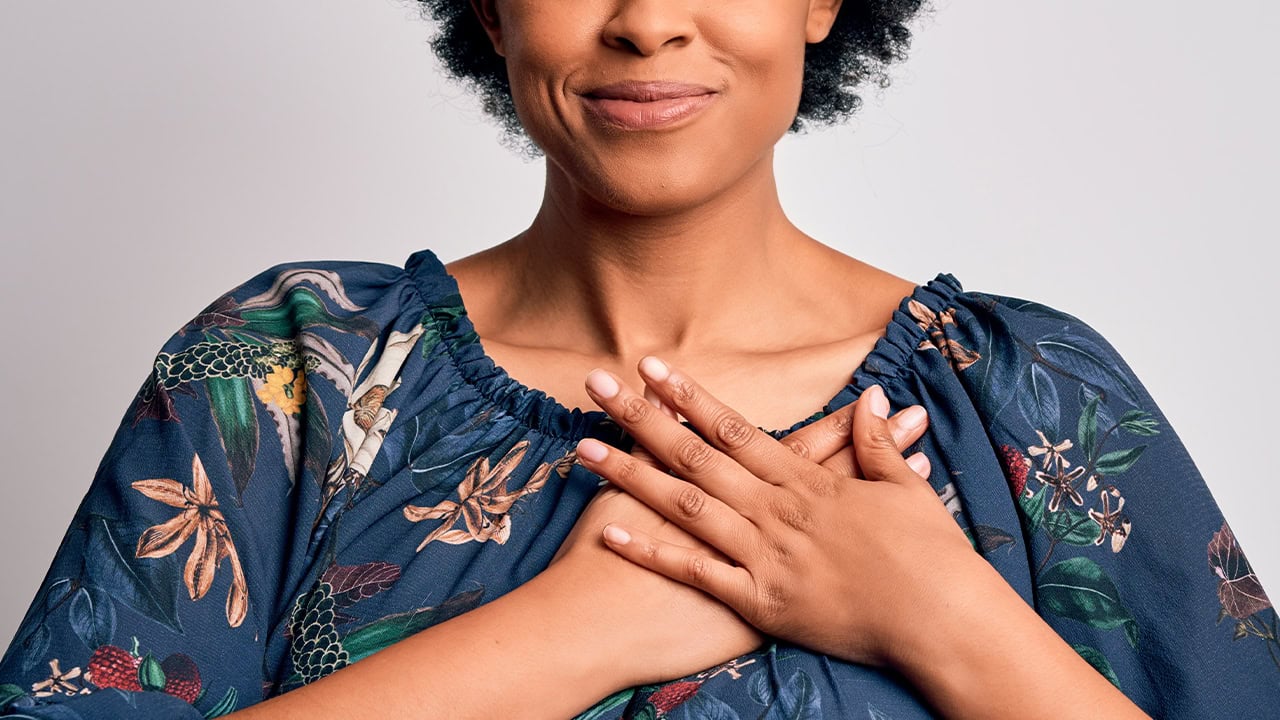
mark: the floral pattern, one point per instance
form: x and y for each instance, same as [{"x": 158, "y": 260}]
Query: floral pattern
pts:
[
  {"x": 484, "y": 502},
  {"x": 200, "y": 517},
  {"x": 330, "y": 448}
]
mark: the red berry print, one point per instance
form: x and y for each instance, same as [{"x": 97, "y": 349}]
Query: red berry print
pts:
[
  {"x": 1016, "y": 466},
  {"x": 672, "y": 696},
  {"x": 114, "y": 667},
  {"x": 181, "y": 677}
]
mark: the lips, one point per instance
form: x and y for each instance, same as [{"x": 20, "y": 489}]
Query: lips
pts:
[{"x": 637, "y": 105}]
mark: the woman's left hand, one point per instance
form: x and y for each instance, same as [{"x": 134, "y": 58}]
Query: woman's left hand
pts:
[{"x": 844, "y": 566}]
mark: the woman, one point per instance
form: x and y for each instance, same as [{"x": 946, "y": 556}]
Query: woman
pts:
[{"x": 332, "y": 448}]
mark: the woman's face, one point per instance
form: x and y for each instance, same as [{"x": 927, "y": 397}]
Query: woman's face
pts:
[{"x": 653, "y": 106}]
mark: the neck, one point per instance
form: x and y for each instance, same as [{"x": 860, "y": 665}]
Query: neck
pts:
[{"x": 670, "y": 282}]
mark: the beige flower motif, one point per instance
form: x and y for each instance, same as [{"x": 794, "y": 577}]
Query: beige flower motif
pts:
[
  {"x": 58, "y": 682},
  {"x": 484, "y": 502},
  {"x": 286, "y": 388},
  {"x": 1112, "y": 522},
  {"x": 935, "y": 324},
  {"x": 200, "y": 517},
  {"x": 1052, "y": 453}
]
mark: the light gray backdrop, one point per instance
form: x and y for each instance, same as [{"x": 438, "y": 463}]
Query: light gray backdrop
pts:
[{"x": 1108, "y": 158}]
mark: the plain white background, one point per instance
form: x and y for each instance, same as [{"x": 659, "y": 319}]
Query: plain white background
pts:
[{"x": 1110, "y": 159}]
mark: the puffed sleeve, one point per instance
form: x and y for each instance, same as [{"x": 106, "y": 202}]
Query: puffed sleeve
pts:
[
  {"x": 1129, "y": 557},
  {"x": 168, "y": 582}
]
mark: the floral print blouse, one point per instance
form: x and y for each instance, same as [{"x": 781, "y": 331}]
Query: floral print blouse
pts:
[{"x": 324, "y": 462}]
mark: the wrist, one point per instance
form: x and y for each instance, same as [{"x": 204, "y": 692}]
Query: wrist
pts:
[{"x": 985, "y": 653}]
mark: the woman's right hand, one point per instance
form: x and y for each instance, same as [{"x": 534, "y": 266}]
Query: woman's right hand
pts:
[{"x": 673, "y": 629}]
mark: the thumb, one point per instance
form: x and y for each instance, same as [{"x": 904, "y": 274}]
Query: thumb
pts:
[{"x": 874, "y": 444}]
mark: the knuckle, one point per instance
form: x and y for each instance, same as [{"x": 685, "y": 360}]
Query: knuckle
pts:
[
  {"x": 696, "y": 569},
  {"x": 649, "y": 552},
  {"x": 781, "y": 551},
  {"x": 773, "y": 598},
  {"x": 690, "y": 502},
  {"x": 793, "y": 514},
  {"x": 733, "y": 432},
  {"x": 882, "y": 439},
  {"x": 841, "y": 423},
  {"x": 628, "y": 471},
  {"x": 684, "y": 392},
  {"x": 636, "y": 410},
  {"x": 798, "y": 446},
  {"x": 820, "y": 484},
  {"x": 693, "y": 455}
]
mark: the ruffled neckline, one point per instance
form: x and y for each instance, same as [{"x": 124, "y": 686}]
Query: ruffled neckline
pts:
[{"x": 542, "y": 412}]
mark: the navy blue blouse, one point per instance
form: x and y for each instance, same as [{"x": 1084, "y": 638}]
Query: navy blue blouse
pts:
[{"x": 329, "y": 449}]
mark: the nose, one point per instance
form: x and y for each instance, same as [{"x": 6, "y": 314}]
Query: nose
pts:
[{"x": 645, "y": 27}]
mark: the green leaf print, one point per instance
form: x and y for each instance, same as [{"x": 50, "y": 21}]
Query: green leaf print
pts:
[
  {"x": 150, "y": 674},
  {"x": 379, "y": 634},
  {"x": 614, "y": 701},
  {"x": 1088, "y": 427},
  {"x": 301, "y": 309},
  {"x": 1072, "y": 527},
  {"x": 1119, "y": 461},
  {"x": 1033, "y": 507},
  {"x": 8, "y": 693},
  {"x": 225, "y": 706},
  {"x": 1099, "y": 662},
  {"x": 231, "y": 404},
  {"x": 1141, "y": 423},
  {"x": 1080, "y": 589}
]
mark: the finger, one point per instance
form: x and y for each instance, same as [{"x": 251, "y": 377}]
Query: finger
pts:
[
  {"x": 680, "y": 501},
  {"x": 820, "y": 440},
  {"x": 642, "y": 454},
  {"x": 874, "y": 446},
  {"x": 907, "y": 427},
  {"x": 673, "y": 444},
  {"x": 656, "y": 401},
  {"x": 919, "y": 462},
  {"x": 753, "y": 448},
  {"x": 731, "y": 585}
]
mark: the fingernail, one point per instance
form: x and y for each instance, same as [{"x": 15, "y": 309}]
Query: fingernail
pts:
[
  {"x": 654, "y": 369},
  {"x": 912, "y": 418},
  {"x": 616, "y": 535},
  {"x": 919, "y": 463},
  {"x": 602, "y": 384},
  {"x": 879, "y": 403},
  {"x": 592, "y": 450}
]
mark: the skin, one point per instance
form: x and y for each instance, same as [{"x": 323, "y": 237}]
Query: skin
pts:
[{"x": 674, "y": 243}]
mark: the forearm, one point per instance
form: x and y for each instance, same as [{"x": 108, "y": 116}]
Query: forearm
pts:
[
  {"x": 991, "y": 656},
  {"x": 533, "y": 653}
]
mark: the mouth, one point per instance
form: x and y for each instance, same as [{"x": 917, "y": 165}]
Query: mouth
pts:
[{"x": 637, "y": 105}]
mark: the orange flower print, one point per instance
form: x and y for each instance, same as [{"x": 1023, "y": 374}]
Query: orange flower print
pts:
[
  {"x": 285, "y": 388},
  {"x": 199, "y": 516},
  {"x": 935, "y": 324},
  {"x": 484, "y": 500}
]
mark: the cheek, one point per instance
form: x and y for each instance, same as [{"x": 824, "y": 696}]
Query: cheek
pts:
[
  {"x": 550, "y": 45},
  {"x": 766, "y": 53}
]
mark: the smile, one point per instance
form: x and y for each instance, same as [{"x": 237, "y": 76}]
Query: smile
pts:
[{"x": 647, "y": 105}]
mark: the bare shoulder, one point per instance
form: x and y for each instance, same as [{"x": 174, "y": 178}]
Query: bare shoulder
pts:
[{"x": 854, "y": 296}]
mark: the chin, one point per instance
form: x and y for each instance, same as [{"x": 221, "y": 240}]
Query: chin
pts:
[{"x": 649, "y": 180}]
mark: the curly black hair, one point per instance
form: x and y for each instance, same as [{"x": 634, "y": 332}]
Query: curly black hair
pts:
[{"x": 868, "y": 36}]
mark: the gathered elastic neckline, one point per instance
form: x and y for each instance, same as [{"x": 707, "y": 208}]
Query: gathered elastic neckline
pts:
[{"x": 542, "y": 412}]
